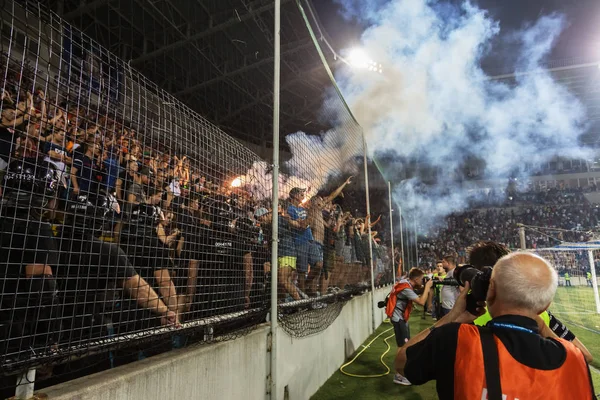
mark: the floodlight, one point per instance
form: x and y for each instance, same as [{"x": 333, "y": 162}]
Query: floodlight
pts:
[{"x": 358, "y": 58}]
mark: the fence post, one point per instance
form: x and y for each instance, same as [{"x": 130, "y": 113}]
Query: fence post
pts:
[
  {"x": 373, "y": 301},
  {"x": 522, "y": 237},
  {"x": 25, "y": 385},
  {"x": 416, "y": 242},
  {"x": 275, "y": 206},
  {"x": 401, "y": 238},
  {"x": 392, "y": 233}
]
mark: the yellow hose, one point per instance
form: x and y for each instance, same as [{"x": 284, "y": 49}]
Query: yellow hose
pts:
[{"x": 380, "y": 358}]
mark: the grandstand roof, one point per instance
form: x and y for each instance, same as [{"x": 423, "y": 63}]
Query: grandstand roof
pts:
[
  {"x": 214, "y": 55},
  {"x": 217, "y": 57}
]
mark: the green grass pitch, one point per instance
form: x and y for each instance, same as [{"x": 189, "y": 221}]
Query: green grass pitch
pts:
[{"x": 574, "y": 306}]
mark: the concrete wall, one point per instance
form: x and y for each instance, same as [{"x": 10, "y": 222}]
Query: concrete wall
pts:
[
  {"x": 235, "y": 369},
  {"x": 305, "y": 364}
]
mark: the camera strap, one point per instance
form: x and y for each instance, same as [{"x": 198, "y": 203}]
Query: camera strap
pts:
[{"x": 491, "y": 363}]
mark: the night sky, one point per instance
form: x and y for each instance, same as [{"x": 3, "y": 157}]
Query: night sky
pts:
[{"x": 581, "y": 38}]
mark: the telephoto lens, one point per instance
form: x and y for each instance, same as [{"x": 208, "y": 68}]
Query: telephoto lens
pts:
[{"x": 479, "y": 280}]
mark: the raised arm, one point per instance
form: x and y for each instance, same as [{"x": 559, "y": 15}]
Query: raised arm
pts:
[
  {"x": 338, "y": 191},
  {"x": 376, "y": 221}
]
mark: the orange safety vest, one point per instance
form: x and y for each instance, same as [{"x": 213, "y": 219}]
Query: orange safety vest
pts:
[
  {"x": 393, "y": 299},
  {"x": 570, "y": 381}
]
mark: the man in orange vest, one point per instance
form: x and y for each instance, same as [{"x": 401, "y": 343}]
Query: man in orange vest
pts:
[
  {"x": 516, "y": 356},
  {"x": 399, "y": 306}
]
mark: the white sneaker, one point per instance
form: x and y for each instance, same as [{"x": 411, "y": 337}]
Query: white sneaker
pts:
[{"x": 400, "y": 380}]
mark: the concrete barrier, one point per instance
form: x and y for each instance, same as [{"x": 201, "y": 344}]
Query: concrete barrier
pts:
[{"x": 235, "y": 369}]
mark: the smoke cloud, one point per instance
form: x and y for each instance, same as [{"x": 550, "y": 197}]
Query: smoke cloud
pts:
[
  {"x": 315, "y": 161},
  {"x": 435, "y": 104}
]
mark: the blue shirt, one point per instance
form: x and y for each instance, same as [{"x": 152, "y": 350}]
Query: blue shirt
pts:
[
  {"x": 286, "y": 247},
  {"x": 112, "y": 172},
  {"x": 300, "y": 214}
]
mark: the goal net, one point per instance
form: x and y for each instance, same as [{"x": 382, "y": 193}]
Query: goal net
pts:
[{"x": 577, "y": 302}]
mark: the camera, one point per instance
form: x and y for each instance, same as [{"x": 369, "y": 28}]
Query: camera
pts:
[{"x": 479, "y": 280}]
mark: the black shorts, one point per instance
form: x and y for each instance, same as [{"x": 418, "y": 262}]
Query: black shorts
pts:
[
  {"x": 24, "y": 242},
  {"x": 91, "y": 257},
  {"x": 147, "y": 254},
  {"x": 191, "y": 248},
  {"x": 402, "y": 332}
]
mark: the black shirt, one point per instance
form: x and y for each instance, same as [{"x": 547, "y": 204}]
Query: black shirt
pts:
[
  {"x": 7, "y": 142},
  {"x": 127, "y": 180},
  {"x": 86, "y": 173},
  {"x": 25, "y": 241},
  {"x": 434, "y": 357}
]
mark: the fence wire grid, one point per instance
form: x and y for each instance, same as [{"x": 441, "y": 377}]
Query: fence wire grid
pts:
[{"x": 131, "y": 225}]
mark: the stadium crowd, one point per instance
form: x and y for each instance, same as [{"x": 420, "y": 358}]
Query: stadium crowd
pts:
[
  {"x": 574, "y": 220},
  {"x": 134, "y": 218}
]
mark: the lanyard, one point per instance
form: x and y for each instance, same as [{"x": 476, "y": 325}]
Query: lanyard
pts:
[{"x": 509, "y": 326}]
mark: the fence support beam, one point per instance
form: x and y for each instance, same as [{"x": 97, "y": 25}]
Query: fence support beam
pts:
[
  {"x": 522, "y": 240},
  {"x": 401, "y": 240},
  {"x": 370, "y": 238},
  {"x": 25, "y": 385},
  {"x": 275, "y": 206},
  {"x": 392, "y": 232}
]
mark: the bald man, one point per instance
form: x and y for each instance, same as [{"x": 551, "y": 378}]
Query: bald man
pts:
[{"x": 525, "y": 360}]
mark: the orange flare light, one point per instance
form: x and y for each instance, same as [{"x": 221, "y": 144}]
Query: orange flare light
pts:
[{"x": 237, "y": 182}]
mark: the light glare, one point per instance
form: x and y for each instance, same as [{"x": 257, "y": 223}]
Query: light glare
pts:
[
  {"x": 358, "y": 58},
  {"x": 237, "y": 182}
]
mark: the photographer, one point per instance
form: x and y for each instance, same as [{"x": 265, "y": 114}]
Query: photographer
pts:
[
  {"x": 399, "y": 306},
  {"x": 483, "y": 254},
  {"x": 521, "y": 361},
  {"x": 448, "y": 294}
]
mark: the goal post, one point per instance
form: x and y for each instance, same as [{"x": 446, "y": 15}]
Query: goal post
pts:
[
  {"x": 594, "y": 279},
  {"x": 577, "y": 298}
]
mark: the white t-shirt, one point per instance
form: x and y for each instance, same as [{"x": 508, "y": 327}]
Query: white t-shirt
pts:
[
  {"x": 175, "y": 188},
  {"x": 449, "y": 294}
]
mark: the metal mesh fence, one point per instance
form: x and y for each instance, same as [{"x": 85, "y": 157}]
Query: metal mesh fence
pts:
[
  {"x": 323, "y": 196},
  {"x": 130, "y": 225},
  {"x": 122, "y": 219}
]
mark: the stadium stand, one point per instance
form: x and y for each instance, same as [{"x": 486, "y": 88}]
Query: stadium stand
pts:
[{"x": 131, "y": 225}]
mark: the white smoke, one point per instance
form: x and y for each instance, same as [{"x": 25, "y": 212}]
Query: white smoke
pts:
[
  {"x": 315, "y": 160},
  {"x": 434, "y": 102},
  {"x": 259, "y": 181}
]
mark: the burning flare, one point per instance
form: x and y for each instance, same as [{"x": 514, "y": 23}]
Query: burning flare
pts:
[{"x": 237, "y": 182}]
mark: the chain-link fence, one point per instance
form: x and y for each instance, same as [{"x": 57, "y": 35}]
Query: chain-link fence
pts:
[
  {"x": 122, "y": 220},
  {"x": 131, "y": 225}
]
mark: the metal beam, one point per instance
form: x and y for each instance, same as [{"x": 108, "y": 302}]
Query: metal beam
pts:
[
  {"x": 198, "y": 36},
  {"x": 269, "y": 93},
  {"x": 198, "y": 51},
  {"x": 85, "y": 9},
  {"x": 293, "y": 47}
]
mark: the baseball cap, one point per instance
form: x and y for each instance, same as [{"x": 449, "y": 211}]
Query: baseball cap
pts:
[
  {"x": 296, "y": 191},
  {"x": 260, "y": 212},
  {"x": 146, "y": 171}
]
